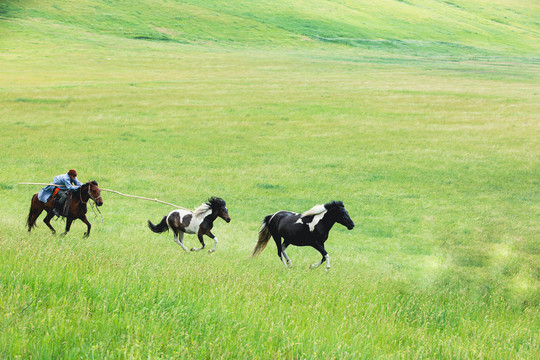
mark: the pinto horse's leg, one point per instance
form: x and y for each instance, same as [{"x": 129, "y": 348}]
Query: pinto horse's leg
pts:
[
  {"x": 213, "y": 237},
  {"x": 324, "y": 254},
  {"x": 179, "y": 239},
  {"x": 200, "y": 236},
  {"x": 47, "y": 221},
  {"x": 88, "y": 225}
]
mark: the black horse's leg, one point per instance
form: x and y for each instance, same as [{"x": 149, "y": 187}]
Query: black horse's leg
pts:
[
  {"x": 200, "y": 236},
  {"x": 47, "y": 221},
  {"x": 320, "y": 248},
  {"x": 277, "y": 239},
  {"x": 88, "y": 225},
  {"x": 284, "y": 247},
  {"x": 213, "y": 237}
]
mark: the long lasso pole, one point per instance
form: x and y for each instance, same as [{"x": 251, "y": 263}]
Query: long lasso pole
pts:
[{"x": 113, "y": 191}]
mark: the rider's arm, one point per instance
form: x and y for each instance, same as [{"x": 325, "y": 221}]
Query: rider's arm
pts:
[{"x": 67, "y": 184}]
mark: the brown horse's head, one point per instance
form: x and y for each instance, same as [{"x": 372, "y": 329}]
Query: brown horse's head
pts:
[{"x": 95, "y": 192}]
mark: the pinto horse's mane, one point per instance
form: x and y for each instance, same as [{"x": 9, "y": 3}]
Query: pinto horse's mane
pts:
[
  {"x": 205, "y": 208},
  {"x": 319, "y": 209}
]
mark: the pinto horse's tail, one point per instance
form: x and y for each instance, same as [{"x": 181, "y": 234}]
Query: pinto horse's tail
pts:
[
  {"x": 264, "y": 236},
  {"x": 159, "y": 228}
]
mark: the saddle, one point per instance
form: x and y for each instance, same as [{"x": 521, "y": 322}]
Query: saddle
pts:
[{"x": 62, "y": 199}]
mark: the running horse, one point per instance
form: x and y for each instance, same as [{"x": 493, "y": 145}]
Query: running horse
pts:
[
  {"x": 77, "y": 207},
  {"x": 200, "y": 222},
  {"x": 308, "y": 229}
]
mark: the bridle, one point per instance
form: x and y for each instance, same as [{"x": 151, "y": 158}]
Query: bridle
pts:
[
  {"x": 89, "y": 195},
  {"x": 94, "y": 199}
]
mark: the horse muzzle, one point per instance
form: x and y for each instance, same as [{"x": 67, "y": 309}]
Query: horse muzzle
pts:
[
  {"x": 99, "y": 203},
  {"x": 350, "y": 226}
]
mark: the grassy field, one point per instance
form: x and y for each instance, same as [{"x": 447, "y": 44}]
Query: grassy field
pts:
[{"x": 422, "y": 116}]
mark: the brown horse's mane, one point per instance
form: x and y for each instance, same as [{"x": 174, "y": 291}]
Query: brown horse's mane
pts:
[{"x": 93, "y": 182}]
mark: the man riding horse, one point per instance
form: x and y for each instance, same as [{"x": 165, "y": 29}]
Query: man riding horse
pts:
[{"x": 64, "y": 183}]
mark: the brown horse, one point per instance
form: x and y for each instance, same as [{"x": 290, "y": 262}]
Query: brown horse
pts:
[{"x": 77, "y": 207}]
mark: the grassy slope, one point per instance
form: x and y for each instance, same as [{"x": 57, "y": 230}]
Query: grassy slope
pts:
[
  {"x": 477, "y": 26},
  {"x": 436, "y": 160}
]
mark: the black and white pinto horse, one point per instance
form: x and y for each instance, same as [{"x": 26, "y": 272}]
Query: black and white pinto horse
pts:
[
  {"x": 308, "y": 229},
  {"x": 200, "y": 222}
]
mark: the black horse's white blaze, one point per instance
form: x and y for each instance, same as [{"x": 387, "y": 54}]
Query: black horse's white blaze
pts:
[
  {"x": 200, "y": 222},
  {"x": 308, "y": 229}
]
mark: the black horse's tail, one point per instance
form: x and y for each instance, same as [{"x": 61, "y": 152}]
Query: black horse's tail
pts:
[
  {"x": 264, "y": 236},
  {"x": 159, "y": 228}
]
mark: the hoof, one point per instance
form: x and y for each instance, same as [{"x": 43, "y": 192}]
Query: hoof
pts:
[{"x": 211, "y": 251}]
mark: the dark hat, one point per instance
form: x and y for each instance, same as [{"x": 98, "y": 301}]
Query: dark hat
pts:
[{"x": 72, "y": 172}]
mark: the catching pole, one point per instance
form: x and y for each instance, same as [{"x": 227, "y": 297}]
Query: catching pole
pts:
[{"x": 113, "y": 191}]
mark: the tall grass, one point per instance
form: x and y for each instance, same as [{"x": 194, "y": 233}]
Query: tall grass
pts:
[{"x": 435, "y": 157}]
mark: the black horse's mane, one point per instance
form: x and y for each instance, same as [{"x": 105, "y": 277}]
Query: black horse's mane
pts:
[{"x": 334, "y": 205}]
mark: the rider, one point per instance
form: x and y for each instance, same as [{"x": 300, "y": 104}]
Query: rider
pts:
[{"x": 65, "y": 182}]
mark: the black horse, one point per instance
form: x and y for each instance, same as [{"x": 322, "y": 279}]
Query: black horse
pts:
[{"x": 308, "y": 229}]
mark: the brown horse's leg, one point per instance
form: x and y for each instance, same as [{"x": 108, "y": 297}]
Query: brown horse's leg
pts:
[
  {"x": 85, "y": 220},
  {"x": 69, "y": 220},
  {"x": 47, "y": 221}
]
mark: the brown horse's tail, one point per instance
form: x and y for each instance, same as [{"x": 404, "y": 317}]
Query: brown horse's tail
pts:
[
  {"x": 31, "y": 221},
  {"x": 264, "y": 236}
]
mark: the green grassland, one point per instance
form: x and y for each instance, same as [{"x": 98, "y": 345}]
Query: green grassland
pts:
[{"x": 422, "y": 116}]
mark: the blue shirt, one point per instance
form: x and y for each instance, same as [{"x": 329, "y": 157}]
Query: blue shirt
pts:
[{"x": 63, "y": 182}]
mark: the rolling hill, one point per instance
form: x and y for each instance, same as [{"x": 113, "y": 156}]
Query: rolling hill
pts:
[{"x": 414, "y": 27}]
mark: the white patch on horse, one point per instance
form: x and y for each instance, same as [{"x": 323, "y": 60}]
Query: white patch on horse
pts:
[
  {"x": 317, "y": 209},
  {"x": 198, "y": 216},
  {"x": 318, "y": 212},
  {"x": 315, "y": 221}
]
